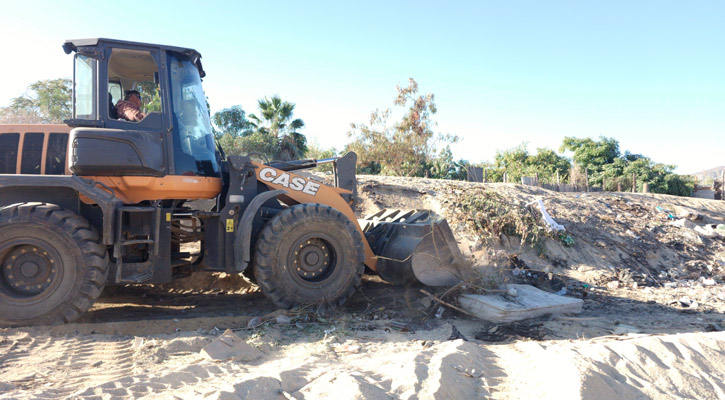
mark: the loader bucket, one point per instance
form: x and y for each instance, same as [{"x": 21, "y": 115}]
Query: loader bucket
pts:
[{"x": 414, "y": 245}]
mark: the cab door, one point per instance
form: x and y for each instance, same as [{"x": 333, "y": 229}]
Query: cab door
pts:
[{"x": 117, "y": 146}]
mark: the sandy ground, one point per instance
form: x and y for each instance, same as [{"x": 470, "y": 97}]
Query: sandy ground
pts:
[
  {"x": 312, "y": 362},
  {"x": 652, "y": 325}
]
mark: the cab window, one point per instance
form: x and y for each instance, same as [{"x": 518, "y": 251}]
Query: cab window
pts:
[
  {"x": 129, "y": 72},
  {"x": 84, "y": 101}
]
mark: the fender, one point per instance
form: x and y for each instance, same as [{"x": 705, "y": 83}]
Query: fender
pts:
[
  {"x": 99, "y": 193},
  {"x": 243, "y": 237},
  {"x": 301, "y": 190}
]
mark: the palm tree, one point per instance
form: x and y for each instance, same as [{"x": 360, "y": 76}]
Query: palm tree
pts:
[{"x": 275, "y": 119}]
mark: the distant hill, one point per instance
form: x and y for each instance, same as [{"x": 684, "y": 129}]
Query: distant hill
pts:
[{"x": 709, "y": 175}]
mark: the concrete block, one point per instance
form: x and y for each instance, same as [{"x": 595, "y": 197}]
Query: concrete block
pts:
[{"x": 529, "y": 302}]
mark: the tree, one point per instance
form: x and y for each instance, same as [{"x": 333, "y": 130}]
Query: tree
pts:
[
  {"x": 274, "y": 134},
  {"x": 48, "y": 101},
  {"x": 513, "y": 162},
  {"x": 615, "y": 176},
  {"x": 14, "y": 116},
  {"x": 232, "y": 120},
  {"x": 444, "y": 167},
  {"x": 590, "y": 153},
  {"x": 604, "y": 162},
  {"x": 548, "y": 164},
  {"x": 518, "y": 162},
  {"x": 275, "y": 120},
  {"x": 406, "y": 148}
]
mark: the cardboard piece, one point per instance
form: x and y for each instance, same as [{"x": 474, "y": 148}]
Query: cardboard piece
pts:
[{"x": 529, "y": 302}]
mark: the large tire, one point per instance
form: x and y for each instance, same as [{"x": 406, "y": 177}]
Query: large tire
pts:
[
  {"x": 53, "y": 265},
  {"x": 309, "y": 254}
]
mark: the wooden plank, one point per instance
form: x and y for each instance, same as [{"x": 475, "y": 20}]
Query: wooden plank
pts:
[{"x": 529, "y": 302}]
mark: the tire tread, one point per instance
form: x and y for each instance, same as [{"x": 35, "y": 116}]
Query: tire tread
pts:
[{"x": 94, "y": 271}]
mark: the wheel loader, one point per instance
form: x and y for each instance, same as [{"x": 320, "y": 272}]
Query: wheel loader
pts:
[{"x": 105, "y": 201}]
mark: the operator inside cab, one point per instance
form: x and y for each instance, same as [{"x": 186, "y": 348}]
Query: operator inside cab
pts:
[{"x": 130, "y": 107}]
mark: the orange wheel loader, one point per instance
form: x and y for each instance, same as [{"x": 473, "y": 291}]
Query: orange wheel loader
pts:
[{"x": 106, "y": 201}]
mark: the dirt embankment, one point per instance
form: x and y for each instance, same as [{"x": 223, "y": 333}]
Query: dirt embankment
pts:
[
  {"x": 654, "y": 311},
  {"x": 646, "y": 238}
]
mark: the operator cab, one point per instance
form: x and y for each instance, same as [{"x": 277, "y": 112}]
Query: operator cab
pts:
[{"x": 174, "y": 137}]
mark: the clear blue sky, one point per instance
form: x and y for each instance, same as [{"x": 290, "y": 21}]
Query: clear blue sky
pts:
[{"x": 649, "y": 73}]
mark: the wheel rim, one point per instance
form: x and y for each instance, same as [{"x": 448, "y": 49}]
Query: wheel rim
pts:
[
  {"x": 313, "y": 259},
  {"x": 30, "y": 269}
]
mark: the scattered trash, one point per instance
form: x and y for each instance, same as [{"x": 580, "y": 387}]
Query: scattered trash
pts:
[
  {"x": 720, "y": 229},
  {"x": 439, "y": 313},
  {"x": 561, "y": 292},
  {"x": 513, "y": 330},
  {"x": 684, "y": 223},
  {"x": 623, "y": 329},
  {"x": 456, "y": 334},
  {"x": 552, "y": 225},
  {"x": 283, "y": 319},
  {"x": 706, "y": 231},
  {"x": 254, "y": 322},
  {"x": 400, "y": 326},
  {"x": 665, "y": 213},
  {"x": 708, "y": 282},
  {"x": 512, "y": 291},
  {"x": 137, "y": 343},
  {"x": 229, "y": 345},
  {"x": 613, "y": 285},
  {"x": 347, "y": 348},
  {"x": 470, "y": 372},
  {"x": 685, "y": 301},
  {"x": 329, "y": 331}
]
